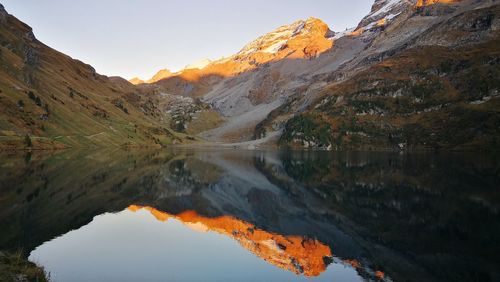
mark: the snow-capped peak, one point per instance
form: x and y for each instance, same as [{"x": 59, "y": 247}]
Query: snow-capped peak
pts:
[
  {"x": 274, "y": 41},
  {"x": 382, "y": 12}
]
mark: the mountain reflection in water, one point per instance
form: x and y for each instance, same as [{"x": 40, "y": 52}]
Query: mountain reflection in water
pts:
[
  {"x": 381, "y": 216},
  {"x": 293, "y": 253}
]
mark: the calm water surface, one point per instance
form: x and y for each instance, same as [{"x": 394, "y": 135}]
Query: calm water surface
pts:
[{"x": 229, "y": 215}]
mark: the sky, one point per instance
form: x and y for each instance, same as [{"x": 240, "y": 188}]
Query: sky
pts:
[{"x": 133, "y": 38}]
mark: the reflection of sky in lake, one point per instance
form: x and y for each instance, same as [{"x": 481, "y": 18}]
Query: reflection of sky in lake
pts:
[{"x": 129, "y": 246}]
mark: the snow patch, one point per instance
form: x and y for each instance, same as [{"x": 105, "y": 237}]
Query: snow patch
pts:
[
  {"x": 273, "y": 41},
  {"x": 275, "y": 47},
  {"x": 384, "y": 21},
  {"x": 389, "y": 4},
  {"x": 342, "y": 33}
]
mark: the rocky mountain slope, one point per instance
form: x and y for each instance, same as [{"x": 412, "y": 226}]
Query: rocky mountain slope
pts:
[
  {"x": 49, "y": 100},
  {"x": 246, "y": 86},
  {"x": 435, "y": 89},
  {"x": 420, "y": 74},
  {"x": 409, "y": 70}
]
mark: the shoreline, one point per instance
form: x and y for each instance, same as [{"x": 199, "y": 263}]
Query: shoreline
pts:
[{"x": 15, "y": 267}]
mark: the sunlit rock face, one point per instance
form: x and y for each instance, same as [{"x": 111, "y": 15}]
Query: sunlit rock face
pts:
[
  {"x": 304, "y": 38},
  {"x": 136, "y": 80},
  {"x": 293, "y": 253},
  {"x": 423, "y": 3},
  {"x": 161, "y": 74},
  {"x": 301, "y": 39}
]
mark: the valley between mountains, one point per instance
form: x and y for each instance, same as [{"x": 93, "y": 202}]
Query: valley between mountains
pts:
[{"x": 412, "y": 75}]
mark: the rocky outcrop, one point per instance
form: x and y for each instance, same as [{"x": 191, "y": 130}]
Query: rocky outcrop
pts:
[{"x": 3, "y": 14}]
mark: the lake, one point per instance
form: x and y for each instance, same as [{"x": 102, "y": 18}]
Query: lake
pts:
[{"x": 237, "y": 215}]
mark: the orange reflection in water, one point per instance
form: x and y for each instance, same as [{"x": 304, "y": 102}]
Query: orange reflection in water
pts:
[
  {"x": 379, "y": 274},
  {"x": 293, "y": 253}
]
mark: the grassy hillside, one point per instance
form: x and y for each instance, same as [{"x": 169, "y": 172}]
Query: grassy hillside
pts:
[
  {"x": 49, "y": 100},
  {"x": 14, "y": 267}
]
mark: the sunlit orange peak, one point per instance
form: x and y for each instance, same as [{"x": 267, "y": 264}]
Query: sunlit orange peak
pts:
[
  {"x": 293, "y": 253},
  {"x": 136, "y": 80},
  {"x": 357, "y": 32}
]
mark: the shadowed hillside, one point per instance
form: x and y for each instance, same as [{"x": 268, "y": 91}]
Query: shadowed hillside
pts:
[{"x": 49, "y": 100}]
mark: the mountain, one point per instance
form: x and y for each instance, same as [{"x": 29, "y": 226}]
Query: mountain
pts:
[
  {"x": 161, "y": 74},
  {"x": 49, "y": 100},
  {"x": 417, "y": 74},
  {"x": 412, "y": 74},
  {"x": 136, "y": 81},
  {"x": 199, "y": 64},
  {"x": 239, "y": 84},
  {"x": 429, "y": 80}
]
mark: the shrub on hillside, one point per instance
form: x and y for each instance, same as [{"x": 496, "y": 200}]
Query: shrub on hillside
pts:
[{"x": 308, "y": 129}]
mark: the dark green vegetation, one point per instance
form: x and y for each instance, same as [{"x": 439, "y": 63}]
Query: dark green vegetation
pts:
[{"x": 310, "y": 129}]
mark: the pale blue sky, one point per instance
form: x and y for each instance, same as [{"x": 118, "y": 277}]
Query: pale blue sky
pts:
[{"x": 138, "y": 37}]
